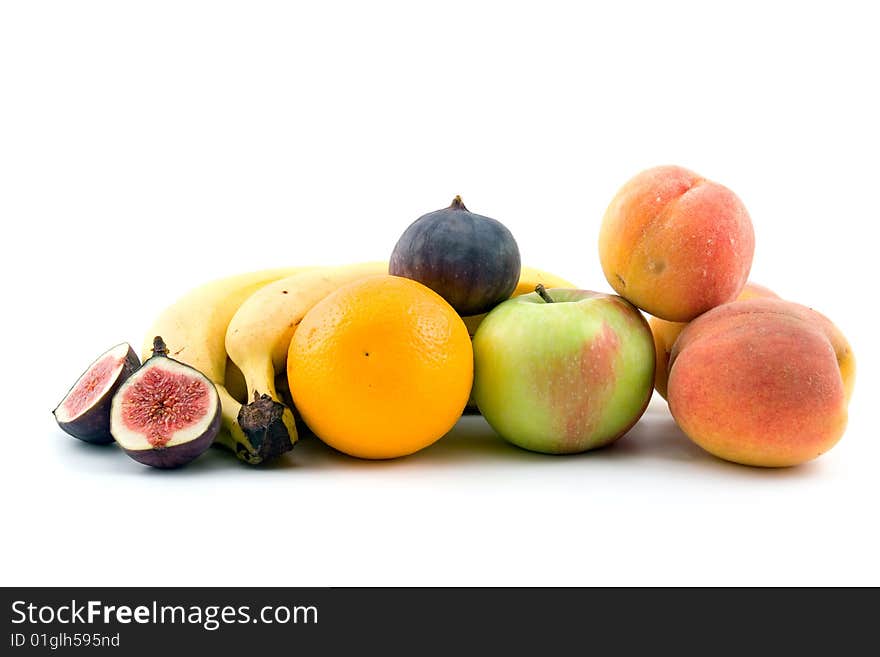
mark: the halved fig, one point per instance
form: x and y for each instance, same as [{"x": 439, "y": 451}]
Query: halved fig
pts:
[
  {"x": 167, "y": 413},
  {"x": 84, "y": 412}
]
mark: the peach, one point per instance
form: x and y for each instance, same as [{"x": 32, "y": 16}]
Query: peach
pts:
[
  {"x": 666, "y": 332},
  {"x": 758, "y": 382},
  {"x": 846, "y": 361},
  {"x": 675, "y": 244}
]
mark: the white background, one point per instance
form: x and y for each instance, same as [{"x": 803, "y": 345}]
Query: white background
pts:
[{"x": 148, "y": 147}]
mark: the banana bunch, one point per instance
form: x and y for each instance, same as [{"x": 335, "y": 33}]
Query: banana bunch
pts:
[
  {"x": 237, "y": 331},
  {"x": 195, "y": 329},
  {"x": 260, "y": 332}
]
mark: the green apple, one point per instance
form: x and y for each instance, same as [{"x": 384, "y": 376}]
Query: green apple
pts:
[{"x": 563, "y": 371}]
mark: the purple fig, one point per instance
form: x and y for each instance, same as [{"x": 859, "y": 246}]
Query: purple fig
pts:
[
  {"x": 84, "y": 412},
  {"x": 167, "y": 413},
  {"x": 470, "y": 260}
]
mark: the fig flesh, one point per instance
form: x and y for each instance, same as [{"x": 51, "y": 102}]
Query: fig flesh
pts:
[
  {"x": 167, "y": 413},
  {"x": 84, "y": 412},
  {"x": 470, "y": 260}
]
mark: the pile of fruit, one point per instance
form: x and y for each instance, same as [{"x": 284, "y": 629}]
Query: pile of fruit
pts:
[{"x": 379, "y": 360}]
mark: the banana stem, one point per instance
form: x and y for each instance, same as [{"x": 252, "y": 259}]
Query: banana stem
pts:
[{"x": 159, "y": 346}]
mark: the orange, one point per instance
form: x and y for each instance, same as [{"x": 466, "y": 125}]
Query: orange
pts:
[{"x": 381, "y": 368}]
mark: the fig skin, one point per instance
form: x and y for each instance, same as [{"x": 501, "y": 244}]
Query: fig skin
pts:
[
  {"x": 93, "y": 425},
  {"x": 180, "y": 454},
  {"x": 470, "y": 260}
]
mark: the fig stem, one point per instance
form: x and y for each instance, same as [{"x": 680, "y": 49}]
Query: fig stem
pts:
[
  {"x": 159, "y": 347},
  {"x": 542, "y": 292},
  {"x": 457, "y": 204}
]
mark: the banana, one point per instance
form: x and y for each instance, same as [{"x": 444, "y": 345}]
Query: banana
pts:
[
  {"x": 529, "y": 277},
  {"x": 194, "y": 328},
  {"x": 259, "y": 333}
]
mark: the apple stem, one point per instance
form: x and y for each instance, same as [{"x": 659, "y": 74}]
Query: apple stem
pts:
[{"x": 542, "y": 292}]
